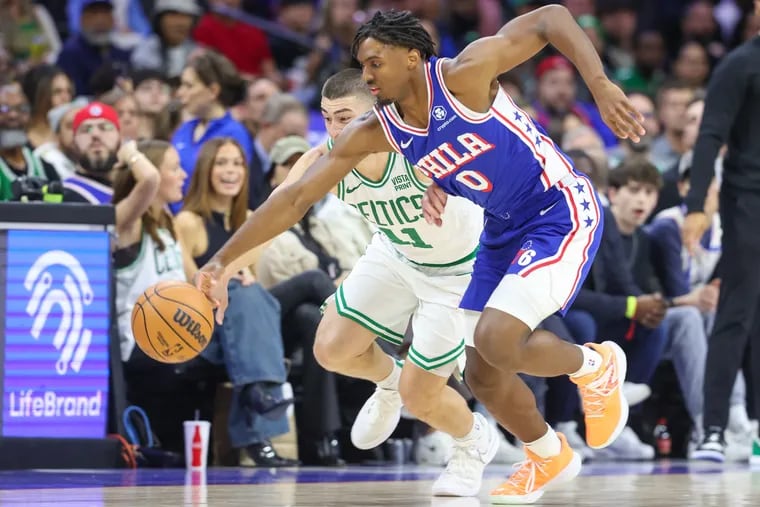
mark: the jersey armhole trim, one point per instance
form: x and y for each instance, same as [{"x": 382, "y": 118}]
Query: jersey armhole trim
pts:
[
  {"x": 385, "y": 176},
  {"x": 386, "y": 128},
  {"x": 413, "y": 176}
]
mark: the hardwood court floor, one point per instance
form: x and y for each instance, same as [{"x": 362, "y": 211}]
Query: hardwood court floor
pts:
[{"x": 609, "y": 485}]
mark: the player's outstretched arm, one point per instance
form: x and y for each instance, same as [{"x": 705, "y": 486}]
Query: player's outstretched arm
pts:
[
  {"x": 521, "y": 39},
  {"x": 526, "y": 35},
  {"x": 285, "y": 208}
]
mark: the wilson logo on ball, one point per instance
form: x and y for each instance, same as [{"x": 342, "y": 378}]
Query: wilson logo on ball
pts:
[{"x": 193, "y": 327}]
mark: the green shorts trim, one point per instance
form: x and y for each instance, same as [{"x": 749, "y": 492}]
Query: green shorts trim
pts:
[
  {"x": 431, "y": 363},
  {"x": 350, "y": 313}
]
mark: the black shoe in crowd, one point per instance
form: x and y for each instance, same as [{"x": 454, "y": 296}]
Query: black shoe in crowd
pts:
[{"x": 264, "y": 455}]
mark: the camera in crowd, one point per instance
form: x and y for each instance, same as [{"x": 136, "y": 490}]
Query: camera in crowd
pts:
[{"x": 29, "y": 188}]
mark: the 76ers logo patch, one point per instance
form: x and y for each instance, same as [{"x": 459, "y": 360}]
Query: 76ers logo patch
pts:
[{"x": 525, "y": 254}]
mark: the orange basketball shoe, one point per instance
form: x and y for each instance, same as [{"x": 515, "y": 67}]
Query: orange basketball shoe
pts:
[
  {"x": 604, "y": 405},
  {"x": 533, "y": 476}
]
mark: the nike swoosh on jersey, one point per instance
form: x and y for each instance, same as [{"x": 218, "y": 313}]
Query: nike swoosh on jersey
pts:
[
  {"x": 545, "y": 211},
  {"x": 353, "y": 189},
  {"x": 406, "y": 144}
]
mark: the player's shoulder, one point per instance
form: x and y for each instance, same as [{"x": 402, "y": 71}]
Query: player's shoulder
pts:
[
  {"x": 363, "y": 134},
  {"x": 459, "y": 74}
]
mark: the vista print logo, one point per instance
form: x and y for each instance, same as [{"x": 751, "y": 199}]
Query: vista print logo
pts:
[{"x": 71, "y": 339}]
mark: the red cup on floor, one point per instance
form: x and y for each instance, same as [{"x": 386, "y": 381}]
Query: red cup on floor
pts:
[{"x": 197, "y": 435}]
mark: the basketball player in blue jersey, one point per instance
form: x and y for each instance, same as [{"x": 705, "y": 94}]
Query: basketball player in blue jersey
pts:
[{"x": 542, "y": 218}]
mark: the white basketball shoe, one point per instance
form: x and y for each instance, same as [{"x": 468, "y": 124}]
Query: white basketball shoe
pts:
[
  {"x": 377, "y": 419},
  {"x": 464, "y": 473}
]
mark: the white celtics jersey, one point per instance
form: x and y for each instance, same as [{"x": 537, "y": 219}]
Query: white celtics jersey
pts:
[
  {"x": 394, "y": 205},
  {"x": 150, "y": 267}
]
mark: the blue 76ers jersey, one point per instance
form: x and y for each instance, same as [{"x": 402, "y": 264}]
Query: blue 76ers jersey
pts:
[{"x": 499, "y": 159}]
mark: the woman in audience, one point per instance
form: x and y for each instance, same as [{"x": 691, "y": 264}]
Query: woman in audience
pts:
[
  {"x": 215, "y": 207},
  {"x": 210, "y": 85},
  {"x": 248, "y": 343},
  {"x": 45, "y": 87},
  {"x": 153, "y": 94}
]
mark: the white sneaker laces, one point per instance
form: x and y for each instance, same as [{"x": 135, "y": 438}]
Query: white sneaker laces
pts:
[
  {"x": 383, "y": 399},
  {"x": 460, "y": 464}
]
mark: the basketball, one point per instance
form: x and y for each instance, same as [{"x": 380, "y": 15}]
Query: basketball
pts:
[{"x": 172, "y": 322}]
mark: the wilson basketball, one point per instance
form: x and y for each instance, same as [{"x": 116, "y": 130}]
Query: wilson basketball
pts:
[{"x": 172, "y": 322}]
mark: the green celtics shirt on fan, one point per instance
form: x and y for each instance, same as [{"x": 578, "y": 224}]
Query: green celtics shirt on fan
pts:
[{"x": 393, "y": 203}]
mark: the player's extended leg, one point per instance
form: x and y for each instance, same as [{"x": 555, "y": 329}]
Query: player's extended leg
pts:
[
  {"x": 374, "y": 300},
  {"x": 509, "y": 345},
  {"x": 513, "y": 405},
  {"x": 343, "y": 346},
  {"x": 427, "y": 397},
  {"x": 506, "y": 338},
  {"x": 441, "y": 331},
  {"x": 549, "y": 258}
]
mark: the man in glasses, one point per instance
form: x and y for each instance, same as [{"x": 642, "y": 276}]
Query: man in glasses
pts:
[
  {"x": 96, "y": 144},
  {"x": 16, "y": 157}
]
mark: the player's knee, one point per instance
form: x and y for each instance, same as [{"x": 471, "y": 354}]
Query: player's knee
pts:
[
  {"x": 327, "y": 348},
  {"x": 500, "y": 340},
  {"x": 418, "y": 400}
]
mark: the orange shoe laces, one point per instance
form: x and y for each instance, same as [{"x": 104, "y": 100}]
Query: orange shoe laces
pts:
[
  {"x": 594, "y": 393},
  {"x": 526, "y": 474}
]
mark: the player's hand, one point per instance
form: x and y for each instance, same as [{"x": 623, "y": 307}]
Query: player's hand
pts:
[
  {"x": 210, "y": 280},
  {"x": 618, "y": 112},
  {"x": 694, "y": 227},
  {"x": 650, "y": 310},
  {"x": 433, "y": 204}
]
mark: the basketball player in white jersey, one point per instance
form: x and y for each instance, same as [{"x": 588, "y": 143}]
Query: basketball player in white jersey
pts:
[{"x": 411, "y": 269}]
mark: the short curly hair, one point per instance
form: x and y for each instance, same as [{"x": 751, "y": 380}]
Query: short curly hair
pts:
[{"x": 396, "y": 28}]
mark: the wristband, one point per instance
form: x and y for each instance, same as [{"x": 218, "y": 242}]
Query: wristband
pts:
[{"x": 630, "y": 307}]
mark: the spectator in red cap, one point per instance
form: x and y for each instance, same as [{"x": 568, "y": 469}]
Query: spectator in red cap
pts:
[
  {"x": 96, "y": 150},
  {"x": 557, "y": 89}
]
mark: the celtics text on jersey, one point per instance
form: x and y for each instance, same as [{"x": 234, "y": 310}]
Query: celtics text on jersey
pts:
[{"x": 393, "y": 204}]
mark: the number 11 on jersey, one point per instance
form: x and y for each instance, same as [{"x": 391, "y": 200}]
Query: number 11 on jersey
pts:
[{"x": 411, "y": 234}]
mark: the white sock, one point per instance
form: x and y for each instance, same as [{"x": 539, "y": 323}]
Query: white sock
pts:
[
  {"x": 547, "y": 446},
  {"x": 475, "y": 431},
  {"x": 391, "y": 381},
  {"x": 592, "y": 361}
]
